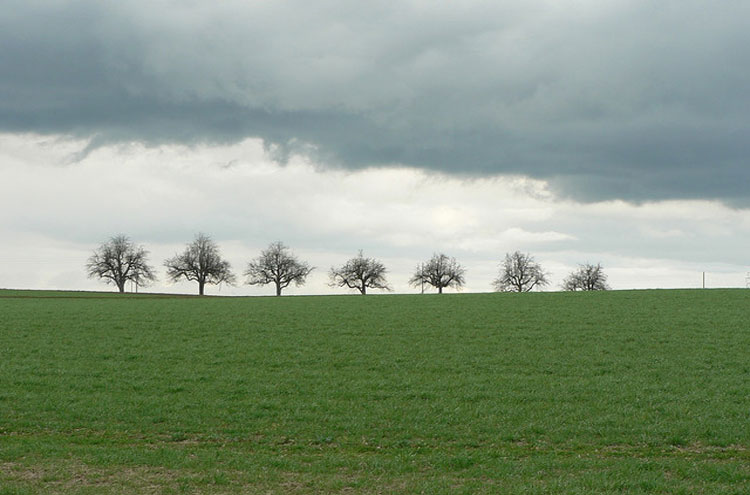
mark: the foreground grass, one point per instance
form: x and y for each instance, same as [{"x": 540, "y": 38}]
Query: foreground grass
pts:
[{"x": 637, "y": 392}]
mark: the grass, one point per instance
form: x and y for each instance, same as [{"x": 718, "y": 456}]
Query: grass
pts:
[{"x": 617, "y": 392}]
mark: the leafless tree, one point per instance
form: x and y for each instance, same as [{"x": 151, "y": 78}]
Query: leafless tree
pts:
[
  {"x": 587, "y": 277},
  {"x": 520, "y": 273},
  {"x": 360, "y": 273},
  {"x": 119, "y": 260},
  {"x": 200, "y": 262},
  {"x": 278, "y": 266},
  {"x": 440, "y": 272}
]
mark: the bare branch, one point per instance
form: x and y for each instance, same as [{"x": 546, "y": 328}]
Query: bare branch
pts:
[
  {"x": 200, "y": 262},
  {"x": 360, "y": 273},
  {"x": 440, "y": 272},
  {"x": 278, "y": 266},
  {"x": 520, "y": 273},
  {"x": 587, "y": 277},
  {"x": 118, "y": 261}
]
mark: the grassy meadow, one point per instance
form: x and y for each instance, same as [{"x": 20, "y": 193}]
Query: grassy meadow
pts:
[{"x": 559, "y": 393}]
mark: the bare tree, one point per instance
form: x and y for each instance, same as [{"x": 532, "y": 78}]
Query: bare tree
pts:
[
  {"x": 119, "y": 260},
  {"x": 520, "y": 273},
  {"x": 278, "y": 266},
  {"x": 587, "y": 277},
  {"x": 441, "y": 271},
  {"x": 200, "y": 262},
  {"x": 360, "y": 273}
]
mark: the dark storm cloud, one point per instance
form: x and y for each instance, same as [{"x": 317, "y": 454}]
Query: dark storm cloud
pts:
[{"x": 633, "y": 100}]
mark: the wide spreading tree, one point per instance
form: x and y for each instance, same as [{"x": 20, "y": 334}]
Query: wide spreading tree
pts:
[
  {"x": 118, "y": 261},
  {"x": 440, "y": 272},
  {"x": 200, "y": 262},
  {"x": 277, "y": 265},
  {"x": 519, "y": 272},
  {"x": 360, "y": 273},
  {"x": 586, "y": 277}
]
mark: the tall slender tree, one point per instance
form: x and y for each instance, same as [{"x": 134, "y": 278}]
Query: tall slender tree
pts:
[
  {"x": 360, "y": 273},
  {"x": 278, "y": 266},
  {"x": 118, "y": 261},
  {"x": 440, "y": 272},
  {"x": 200, "y": 262}
]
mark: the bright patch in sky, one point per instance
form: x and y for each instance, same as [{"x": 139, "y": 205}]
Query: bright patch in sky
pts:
[{"x": 57, "y": 205}]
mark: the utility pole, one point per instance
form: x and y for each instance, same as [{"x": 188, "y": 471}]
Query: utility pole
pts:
[{"x": 704, "y": 280}]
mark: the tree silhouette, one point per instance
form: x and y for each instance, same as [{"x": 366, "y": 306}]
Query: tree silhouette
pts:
[
  {"x": 520, "y": 273},
  {"x": 278, "y": 266},
  {"x": 587, "y": 277},
  {"x": 360, "y": 273},
  {"x": 118, "y": 261},
  {"x": 200, "y": 262},
  {"x": 440, "y": 272}
]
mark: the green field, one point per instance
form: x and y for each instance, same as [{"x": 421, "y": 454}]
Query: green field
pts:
[{"x": 612, "y": 392}]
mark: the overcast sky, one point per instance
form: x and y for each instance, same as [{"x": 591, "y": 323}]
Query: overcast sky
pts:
[{"x": 579, "y": 131}]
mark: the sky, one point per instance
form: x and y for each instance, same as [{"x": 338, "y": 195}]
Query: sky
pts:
[{"x": 577, "y": 131}]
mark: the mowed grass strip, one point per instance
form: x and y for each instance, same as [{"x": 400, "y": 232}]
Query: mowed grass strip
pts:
[{"x": 637, "y": 392}]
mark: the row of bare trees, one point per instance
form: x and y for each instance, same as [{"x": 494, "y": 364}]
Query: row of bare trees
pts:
[{"x": 119, "y": 261}]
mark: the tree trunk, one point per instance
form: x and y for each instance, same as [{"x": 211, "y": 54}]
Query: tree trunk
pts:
[
  {"x": 440, "y": 289},
  {"x": 200, "y": 288},
  {"x": 363, "y": 290},
  {"x": 278, "y": 289},
  {"x": 121, "y": 286}
]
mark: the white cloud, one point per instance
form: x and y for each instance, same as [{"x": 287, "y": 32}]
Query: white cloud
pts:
[{"x": 54, "y": 213}]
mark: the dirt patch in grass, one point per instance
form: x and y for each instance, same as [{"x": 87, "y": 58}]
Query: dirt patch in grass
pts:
[{"x": 70, "y": 477}]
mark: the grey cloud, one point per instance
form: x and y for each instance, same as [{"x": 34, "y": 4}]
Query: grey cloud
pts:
[{"x": 631, "y": 100}]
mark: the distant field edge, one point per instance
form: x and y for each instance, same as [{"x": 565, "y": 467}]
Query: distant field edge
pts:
[{"x": 76, "y": 294}]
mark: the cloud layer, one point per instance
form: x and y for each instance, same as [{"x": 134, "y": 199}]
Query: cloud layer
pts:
[
  {"x": 631, "y": 100},
  {"x": 53, "y": 215}
]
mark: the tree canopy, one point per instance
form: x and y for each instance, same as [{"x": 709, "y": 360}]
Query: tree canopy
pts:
[
  {"x": 360, "y": 273},
  {"x": 439, "y": 272},
  {"x": 586, "y": 277},
  {"x": 519, "y": 272},
  {"x": 118, "y": 261},
  {"x": 200, "y": 262},
  {"x": 278, "y": 266}
]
